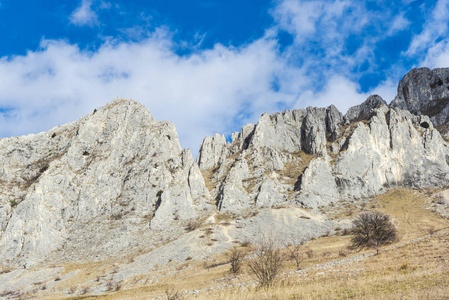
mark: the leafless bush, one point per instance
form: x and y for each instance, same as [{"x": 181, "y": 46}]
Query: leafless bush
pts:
[
  {"x": 172, "y": 294},
  {"x": 72, "y": 289},
  {"x": 372, "y": 230},
  {"x": 325, "y": 253},
  {"x": 342, "y": 253},
  {"x": 294, "y": 253},
  {"x": 236, "y": 257},
  {"x": 267, "y": 264},
  {"x": 192, "y": 225},
  {"x": 84, "y": 290},
  {"x": 113, "y": 286},
  {"x": 309, "y": 253},
  {"x": 431, "y": 230},
  {"x": 345, "y": 231},
  {"x": 439, "y": 199},
  {"x": 245, "y": 244}
]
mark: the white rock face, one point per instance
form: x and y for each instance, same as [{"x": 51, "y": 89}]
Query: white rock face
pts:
[
  {"x": 316, "y": 156},
  {"x": 211, "y": 151},
  {"x": 115, "y": 164},
  {"x": 117, "y": 179}
]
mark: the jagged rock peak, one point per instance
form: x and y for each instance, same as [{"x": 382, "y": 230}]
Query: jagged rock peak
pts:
[
  {"x": 211, "y": 150},
  {"x": 363, "y": 111},
  {"x": 315, "y": 156},
  {"x": 290, "y": 131},
  {"x": 113, "y": 167},
  {"x": 420, "y": 87}
]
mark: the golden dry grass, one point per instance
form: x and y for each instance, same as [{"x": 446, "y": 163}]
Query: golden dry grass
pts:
[{"x": 409, "y": 269}]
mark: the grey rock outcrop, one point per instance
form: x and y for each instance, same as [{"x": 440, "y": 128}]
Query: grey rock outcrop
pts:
[
  {"x": 314, "y": 157},
  {"x": 425, "y": 91},
  {"x": 115, "y": 165},
  {"x": 120, "y": 179},
  {"x": 364, "y": 110},
  {"x": 211, "y": 151}
]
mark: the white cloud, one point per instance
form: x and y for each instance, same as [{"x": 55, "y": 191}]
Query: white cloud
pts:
[
  {"x": 344, "y": 93},
  {"x": 437, "y": 56},
  {"x": 203, "y": 93},
  {"x": 84, "y": 14},
  {"x": 399, "y": 23},
  {"x": 435, "y": 27},
  {"x": 215, "y": 90},
  {"x": 333, "y": 33}
]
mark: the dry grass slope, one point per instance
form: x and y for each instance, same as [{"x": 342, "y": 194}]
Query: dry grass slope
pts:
[{"x": 417, "y": 267}]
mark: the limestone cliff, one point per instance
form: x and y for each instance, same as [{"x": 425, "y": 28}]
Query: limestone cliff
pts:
[
  {"x": 114, "y": 167},
  {"x": 315, "y": 156},
  {"x": 117, "y": 180}
]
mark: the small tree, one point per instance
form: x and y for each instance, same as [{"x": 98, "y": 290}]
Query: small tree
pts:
[
  {"x": 372, "y": 230},
  {"x": 236, "y": 257},
  {"x": 267, "y": 264}
]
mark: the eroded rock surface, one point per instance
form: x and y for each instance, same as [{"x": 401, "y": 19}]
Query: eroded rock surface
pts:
[
  {"x": 117, "y": 181},
  {"x": 315, "y": 156},
  {"x": 115, "y": 168},
  {"x": 425, "y": 91}
]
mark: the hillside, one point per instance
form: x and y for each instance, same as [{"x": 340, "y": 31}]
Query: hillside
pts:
[{"x": 112, "y": 205}]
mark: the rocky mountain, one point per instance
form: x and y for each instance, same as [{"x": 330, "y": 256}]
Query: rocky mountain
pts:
[
  {"x": 117, "y": 181},
  {"x": 425, "y": 91},
  {"x": 76, "y": 186},
  {"x": 316, "y": 156}
]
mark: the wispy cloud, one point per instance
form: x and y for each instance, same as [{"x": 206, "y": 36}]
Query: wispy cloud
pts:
[
  {"x": 84, "y": 15},
  {"x": 400, "y": 22},
  {"x": 330, "y": 35},
  {"x": 202, "y": 93},
  {"x": 434, "y": 28},
  {"x": 212, "y": 90}
]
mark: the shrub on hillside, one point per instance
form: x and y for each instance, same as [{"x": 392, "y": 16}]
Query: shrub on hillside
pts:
[
  {"x": 267, "y": 264},
  {"x": 236, "y": 257},
  {"x": 372, "y": 230}
]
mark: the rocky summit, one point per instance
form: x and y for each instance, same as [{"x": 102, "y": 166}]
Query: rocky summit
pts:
[{"x": 117, "y": 182}]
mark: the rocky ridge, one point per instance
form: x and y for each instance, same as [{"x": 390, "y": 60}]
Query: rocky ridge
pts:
[
  {"x": 316, "y": 156},
  {"x": 117, "y": 181},
  {"x": 425, "y": 91},
  {"x": 115, "y": 169}
]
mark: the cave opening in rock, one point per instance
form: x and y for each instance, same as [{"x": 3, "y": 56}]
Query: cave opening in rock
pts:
[{"x": 425, "y": 125}]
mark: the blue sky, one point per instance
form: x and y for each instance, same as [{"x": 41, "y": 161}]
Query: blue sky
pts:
[{"x": 208, "y": 66}]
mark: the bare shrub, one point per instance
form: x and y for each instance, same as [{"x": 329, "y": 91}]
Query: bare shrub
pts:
[
  {"x": 431, "y": 229},
  {"x": 325, "y": 253},
  {"x": 345, "y": 231},
  {"x": 294, "y": 253},
  {"x": 245, "y": 244},
  {"x": 342, "y": 253},
  {"x": 113, "y": 286},
  {"x": 439, "y": 199},
  {"x": 84, "y": 290},
  {"x": 192, "y": 225},
  {"x": 236, "y": 257},
  {"x": 309, "y": 253},
  {"x": 372, "y": 230},
  {"x": 72, "y": 290},
  {"x": 172, "y": 294},
  {"x": 267, "y": 264}
]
